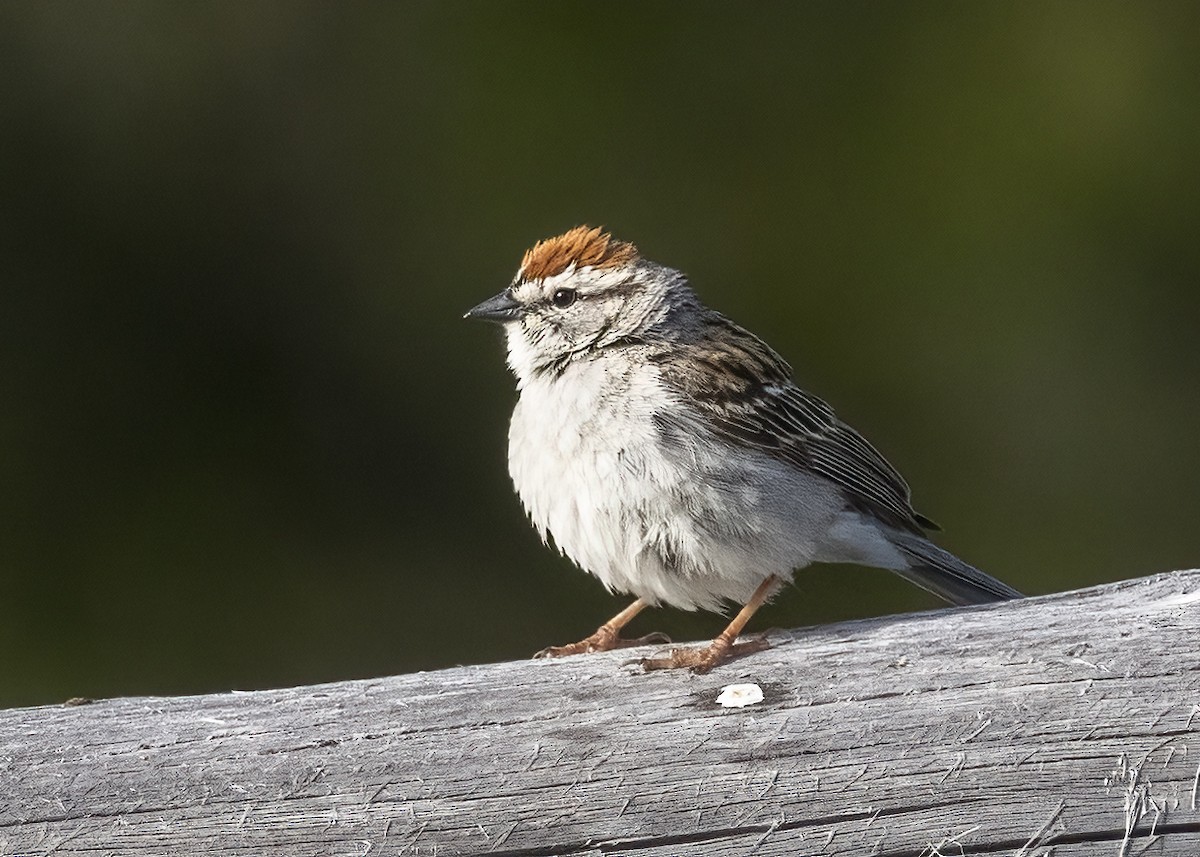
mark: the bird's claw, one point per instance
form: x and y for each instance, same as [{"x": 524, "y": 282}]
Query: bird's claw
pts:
[
  {"x": 702, "y": 660},
  {"x": 602, "y": 642}
]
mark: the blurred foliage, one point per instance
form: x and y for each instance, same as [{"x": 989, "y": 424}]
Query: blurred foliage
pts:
[{"x": 247, "y": 440}]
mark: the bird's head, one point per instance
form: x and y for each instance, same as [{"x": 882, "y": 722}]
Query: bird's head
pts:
[{"x": 577, "y": 293}]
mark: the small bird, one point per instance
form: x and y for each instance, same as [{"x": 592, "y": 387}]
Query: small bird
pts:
[{"x": 669, "y": 452}]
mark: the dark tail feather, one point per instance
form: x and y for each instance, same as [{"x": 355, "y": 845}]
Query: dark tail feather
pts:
[{"x": 947, "y": 576}]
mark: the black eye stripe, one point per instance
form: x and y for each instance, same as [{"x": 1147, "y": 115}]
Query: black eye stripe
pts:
[{"x": 563, "y": 298}]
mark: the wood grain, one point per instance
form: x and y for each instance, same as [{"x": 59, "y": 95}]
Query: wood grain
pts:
[{"x": 1065, "y": 725}]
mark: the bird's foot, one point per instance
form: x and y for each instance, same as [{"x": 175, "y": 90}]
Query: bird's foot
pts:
[
  {"x": 702, "y": 660},
  {"x": 604, "y": 640}
]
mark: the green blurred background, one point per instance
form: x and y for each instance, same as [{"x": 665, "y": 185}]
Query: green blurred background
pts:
[{"x": 246, "y": 439}]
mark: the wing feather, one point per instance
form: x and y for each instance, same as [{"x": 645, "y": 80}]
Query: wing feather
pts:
[{"x": 744, "y": 392}]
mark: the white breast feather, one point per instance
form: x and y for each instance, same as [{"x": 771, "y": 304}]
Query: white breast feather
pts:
[{"x": 593, "y": 473}]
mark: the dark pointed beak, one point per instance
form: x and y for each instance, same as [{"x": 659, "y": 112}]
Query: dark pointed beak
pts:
[{"x": 503, "y": 307}]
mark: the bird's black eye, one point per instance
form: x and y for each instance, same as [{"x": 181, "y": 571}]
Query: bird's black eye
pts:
[{"x": 563, "y": 298}]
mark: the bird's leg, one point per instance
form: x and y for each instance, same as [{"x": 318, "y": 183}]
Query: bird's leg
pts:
[
  {"x": 723, "y": 647},
  {"x": 607, "y": 636}
]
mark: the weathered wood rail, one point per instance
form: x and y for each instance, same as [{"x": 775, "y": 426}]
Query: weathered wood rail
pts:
[{"x": 1064, "y": 725}]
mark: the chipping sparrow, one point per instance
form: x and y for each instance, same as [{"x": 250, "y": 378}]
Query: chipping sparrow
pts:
[{"x": 669, "y": 452}]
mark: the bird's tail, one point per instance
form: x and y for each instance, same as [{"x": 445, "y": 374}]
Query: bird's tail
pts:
[{"x": 947, "y": 576}]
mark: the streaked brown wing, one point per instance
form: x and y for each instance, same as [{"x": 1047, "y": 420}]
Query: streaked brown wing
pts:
[{"x": 744, "y": 391}]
